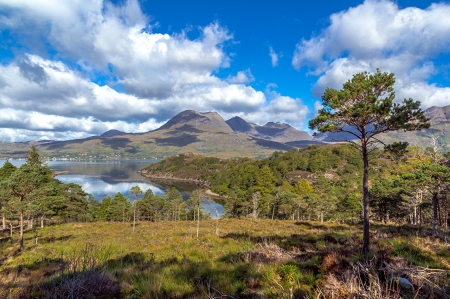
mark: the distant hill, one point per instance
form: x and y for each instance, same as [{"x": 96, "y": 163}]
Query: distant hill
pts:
[
  {"x": 189, "y": 131},
  {"x": 193, "y": 121},
  {"x": 112, "y": 133},
  {"x": 437, "y": 136},
  {"x": 280, "y": 132},
  {"x": 208, "y": 134}
]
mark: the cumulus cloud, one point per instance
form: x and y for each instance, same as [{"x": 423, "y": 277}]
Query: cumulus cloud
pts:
[
  {"x": 67, "y": 95},
  {"x": 277, "y": 108},
  {"x": 317, "y": 106},
  {"x": 273, "y": 57},
  {"x": 149, "y": 76},
  {"x": 241, "y": 77},
  {"x": 378, "y": 34}
]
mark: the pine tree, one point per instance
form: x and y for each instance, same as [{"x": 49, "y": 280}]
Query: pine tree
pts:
[{"x": 365, "y": 108}]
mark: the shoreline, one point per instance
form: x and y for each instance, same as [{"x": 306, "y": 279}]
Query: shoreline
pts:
[{"x": 176, "y": 179}]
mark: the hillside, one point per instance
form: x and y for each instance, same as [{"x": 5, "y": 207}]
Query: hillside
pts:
[
  {"x": 437, "y": 136},
  {"x": 208, "y": 134},
  {"x": 189, "y": 131},
  {"x": 280, "y": 132}
]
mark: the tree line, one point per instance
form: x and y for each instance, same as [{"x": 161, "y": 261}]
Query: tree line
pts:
[
  {"x": 405, "y": 185},
  {"x": 30, "y": 192},
  {"x": 316, "y": 183}
]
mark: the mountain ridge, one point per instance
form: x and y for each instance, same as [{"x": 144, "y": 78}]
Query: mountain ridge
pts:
[
  {"x": 204, "y": 133},
  {"x": 208, "y": 133}
]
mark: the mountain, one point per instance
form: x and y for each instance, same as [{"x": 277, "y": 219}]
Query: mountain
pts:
[
  {"x": 112, "y": 133},
  {"x": 208, "y": 134},
  {"x": 194, "y": 121},
  {"x": 438, "y": 114},
  {"x": 237, "y": 124},
  {"x": 437, "y": 136},
  {"x": 280, "y": 132},
  {"x": 189, "y": 131}
]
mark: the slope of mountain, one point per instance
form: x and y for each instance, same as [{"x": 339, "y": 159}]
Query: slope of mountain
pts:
[
  {"x": 280, "y": 132},
  {"x": 208, "y": 134},
  {"x": 189, "y": 131},
  {"x": 437, "y": 136},
  {"x": 196, "y": 122},
  {"x": 112, "y": 133},
  {"x": 237, "y": 124}
]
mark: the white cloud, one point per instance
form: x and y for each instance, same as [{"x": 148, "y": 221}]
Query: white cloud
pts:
[
  {"x": 273, "y": 57},
  {"x": 47, "y": 95},
  {"x": 241, "y": 77},
  {"x": 150, "y": 76},
  {"x": 317, "y": 106},
  {"x": 278, "y": 108},
  {"x": 378, "y": 34},
  {"x": 50, "y": 87}
]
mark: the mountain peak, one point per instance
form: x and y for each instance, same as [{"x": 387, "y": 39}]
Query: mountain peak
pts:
[
  {"x": 278, "y": 125},
  {"x": 207, "y": 121},
  {"x": 276, "y": 131},
  {"x": 239, "y": 125},
  {"x": 112, "y": 133},
  {"x": 438, "y": 114}
]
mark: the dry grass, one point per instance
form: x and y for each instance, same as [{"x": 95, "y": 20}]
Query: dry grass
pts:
[{"x": 253, "y": 258}]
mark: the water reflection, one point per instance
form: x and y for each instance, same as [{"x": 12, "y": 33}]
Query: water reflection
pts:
[
  {"x": 103, "y": 178},
  {"x": 100, "y": 188}
]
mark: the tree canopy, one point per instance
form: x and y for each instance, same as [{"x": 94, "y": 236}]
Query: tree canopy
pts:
[{"x": 365, "y": 108}]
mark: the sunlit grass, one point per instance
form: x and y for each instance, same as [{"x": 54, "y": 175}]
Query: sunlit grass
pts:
[{"x": 167, "y": 259}]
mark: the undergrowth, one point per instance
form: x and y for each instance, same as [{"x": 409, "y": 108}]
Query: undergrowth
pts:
[{"x": 246, "y": 258}]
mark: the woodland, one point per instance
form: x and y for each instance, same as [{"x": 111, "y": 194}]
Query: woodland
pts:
[
  {"x": 348, "y": 220},
  {"x": 291, "y": 229}
]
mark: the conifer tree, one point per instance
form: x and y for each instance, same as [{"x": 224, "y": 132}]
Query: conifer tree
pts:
[
  {"x": 5, "y": 172},
  {"x": 135, "y": 190},
  {"x": 24, "y": 185},
  {"x": 364, "y": 108}
]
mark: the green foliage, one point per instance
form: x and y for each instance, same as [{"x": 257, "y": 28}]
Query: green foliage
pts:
[
  {"x": 365, "y": 108},
  {"x": 6, "y": 170},
  {"x": 31, "y": 191}
]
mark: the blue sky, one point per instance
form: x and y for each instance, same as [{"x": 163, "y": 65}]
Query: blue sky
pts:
[{"x": 72, "y": 69}]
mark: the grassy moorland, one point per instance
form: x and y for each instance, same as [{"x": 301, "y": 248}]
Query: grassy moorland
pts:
[{"x": 230, "y": 258}]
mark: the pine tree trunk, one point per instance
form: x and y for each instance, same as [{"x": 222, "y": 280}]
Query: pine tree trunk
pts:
[
  {"x": 21, "y": 231},
  {"x": 4, "y": 221},
  {"x": 134, "y": 215},
  {"x": 198, "y": 217},
  {"x": 415, "y": 215},
  {"x": 435, "y": 213},
  {"x": 366, "y": 232},
  {"x": 42, "y": 222}
]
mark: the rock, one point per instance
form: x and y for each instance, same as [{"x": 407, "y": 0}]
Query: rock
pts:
[{"x": 405, "y": 283}]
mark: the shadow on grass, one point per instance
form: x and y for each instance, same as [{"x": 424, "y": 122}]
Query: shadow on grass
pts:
[
  {"x": 52, "y": 239},
  {"x": 325, "y": 226},
  {"x": 5, "y": 239},
  {"x": 188, "y": 278},
  {"x": 305, "y": 242}
]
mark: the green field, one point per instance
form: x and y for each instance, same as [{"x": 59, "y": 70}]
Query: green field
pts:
[{"x": 230, "y": 258}]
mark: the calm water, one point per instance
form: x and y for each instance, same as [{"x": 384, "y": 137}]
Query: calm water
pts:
[{"x": 103, "y": 178}]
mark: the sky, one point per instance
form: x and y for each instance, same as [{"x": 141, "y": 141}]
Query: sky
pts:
[{"x": 78, "y": 68}]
